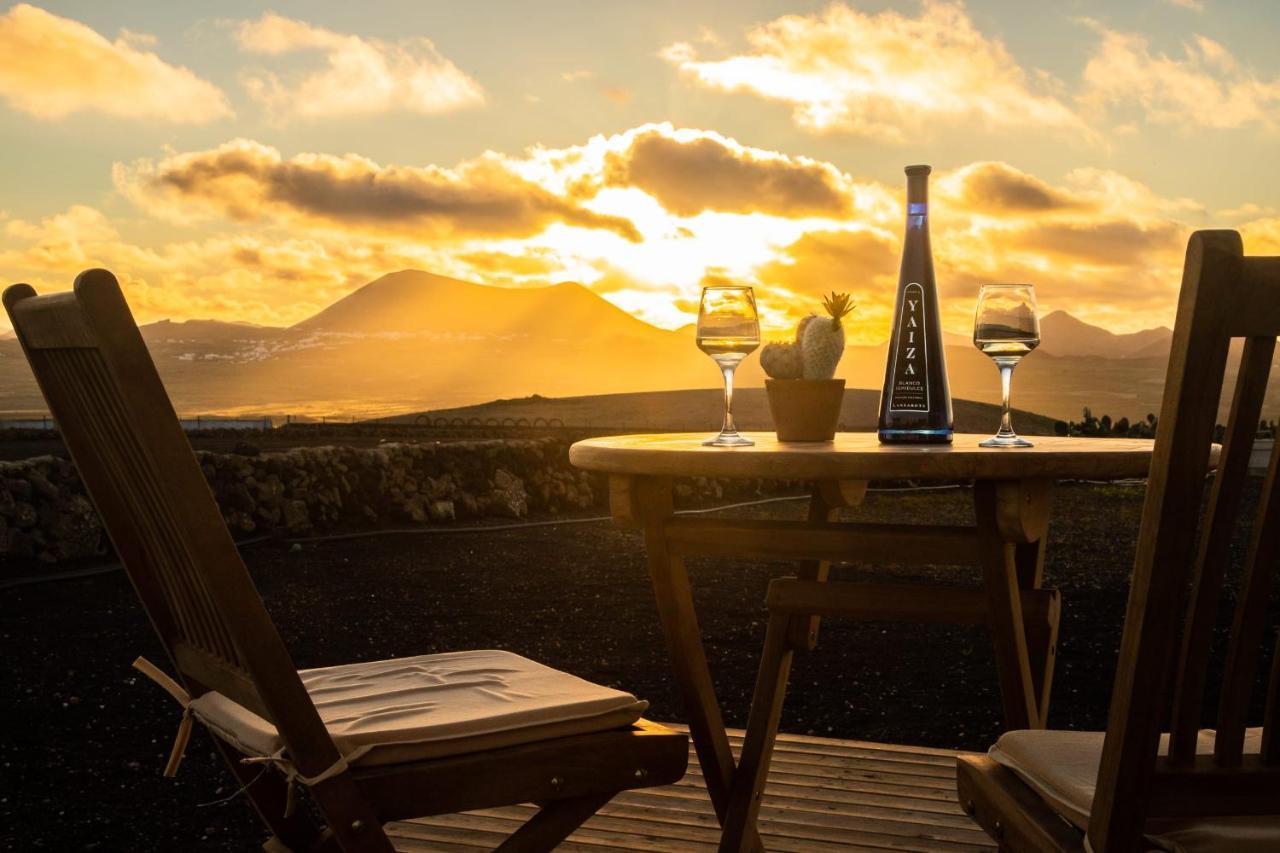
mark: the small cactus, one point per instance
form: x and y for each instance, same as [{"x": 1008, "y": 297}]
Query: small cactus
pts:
[
  {"x": 822, "y": 338},
  {"x": 782, "y": 361},
  {"x": 818, "y": 345},
  {"x": 804, "y": 324}
]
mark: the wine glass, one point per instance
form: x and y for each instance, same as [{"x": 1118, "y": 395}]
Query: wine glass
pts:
[
  {"x": 1006, "y": 328},
  {"x": 728, "y": 331}
]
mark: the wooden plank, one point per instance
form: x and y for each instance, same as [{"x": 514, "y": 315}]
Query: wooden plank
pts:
[
  {"x": 799, "y": 803},
  {"x": 822, "y": 794},
  {"x": 691, "y": 798},
  {"x": 899, "y": 544},
  {"x": 794, "y": 739},
  {"x": 845, "y": 775},
  {"x": 903, "y": 602}
]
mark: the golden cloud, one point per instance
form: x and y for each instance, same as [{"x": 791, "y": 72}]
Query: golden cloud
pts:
[
  {"x": 689, "y": 174},
  {"x": 863, "y": 263},
  {"x": 1115, "y": 243},
  {"x": 884, "y": 76},
  {"x": 250, "y": 182},
  {"x": 1261, "y": 237},
  {"x": 692, "y": 204},
  {"x": 1206, "y": 86},
  {"x": 245, "y": 277},
  {"x": 998, "y": 189},
  {"x": 51, "y": 67},
  {"x": 362, "y": 75}
]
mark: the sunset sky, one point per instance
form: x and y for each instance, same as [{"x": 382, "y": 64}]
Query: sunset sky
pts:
[{"x": 260, "y": 164}]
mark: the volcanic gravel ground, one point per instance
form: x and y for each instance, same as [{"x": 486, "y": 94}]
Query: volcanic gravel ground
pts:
[{"x": 86, "y": 737}]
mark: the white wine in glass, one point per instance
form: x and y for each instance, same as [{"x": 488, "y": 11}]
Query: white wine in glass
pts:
[
  {"x": 728, "y": 331},
  {"x": 1006, "y": 328}
]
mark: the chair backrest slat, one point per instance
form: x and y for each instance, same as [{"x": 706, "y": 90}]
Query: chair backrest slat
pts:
[
  {"x": 1249, "y": 627},
  {"x": 1215, "y": 546},
  {"x": 1271, "y": 716},
  {"x": 138, "y": 467},
  {"x": 1257, "y": 290},
  {"x": 1164, "y": 657}
]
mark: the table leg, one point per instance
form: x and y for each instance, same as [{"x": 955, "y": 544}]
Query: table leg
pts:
[
  {"x": 647, "y": 503},
  {"x": 825, "y": 502},
  {"x": 1022, "y": 510},
  {"x": 1042, "y": 635},
  {"x": 1000, "y": 581},
  {"x": 762, "y": 730}
]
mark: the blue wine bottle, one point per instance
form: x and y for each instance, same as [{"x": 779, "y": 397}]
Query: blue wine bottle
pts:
[{"x": 915, "y": 404}]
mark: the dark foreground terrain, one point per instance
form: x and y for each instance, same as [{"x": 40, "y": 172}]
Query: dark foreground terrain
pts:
[{"x": 85, "y": 737}]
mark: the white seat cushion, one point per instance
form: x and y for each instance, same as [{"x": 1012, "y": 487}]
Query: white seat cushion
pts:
[
  {"x": 407, "y": 709},
  {"x": 1062, "y": 768}
]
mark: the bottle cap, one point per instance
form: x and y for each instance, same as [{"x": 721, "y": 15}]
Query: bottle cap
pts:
[{"x": 912, "y": 171}]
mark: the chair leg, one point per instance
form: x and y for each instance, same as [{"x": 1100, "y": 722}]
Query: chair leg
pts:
[
  {"x": 553, "y": 824},
  {"x": 762, "y": 731},
  {"x": 268, "y": 792},
  {"x": 352, "y": 822}
]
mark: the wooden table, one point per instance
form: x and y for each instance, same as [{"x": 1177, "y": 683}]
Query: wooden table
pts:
[{"x": 1012, "y": 491}]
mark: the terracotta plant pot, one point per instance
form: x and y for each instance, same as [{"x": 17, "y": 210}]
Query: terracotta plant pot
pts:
[{"x": 805, "y": 409}]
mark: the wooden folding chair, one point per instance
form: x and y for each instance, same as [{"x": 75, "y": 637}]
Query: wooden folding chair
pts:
[
  {"x": 370, "y": 742},
  {"x": 1130, "y": 788}
]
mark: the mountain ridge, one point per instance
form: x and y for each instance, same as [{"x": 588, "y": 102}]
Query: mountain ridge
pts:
[
  {"x": 414, "y": 341},
  {"x": 1062, "y": 333}
]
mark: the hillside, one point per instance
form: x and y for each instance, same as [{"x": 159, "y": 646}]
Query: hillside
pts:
[
  {"x": 701, "y": 409},
  {"x": 1064, "y": 335},
  {"x": 411, "y": 341},
  {"x": 413, "y": 302}
]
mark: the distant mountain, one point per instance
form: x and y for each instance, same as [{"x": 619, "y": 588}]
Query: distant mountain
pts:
[
  {"x": 413, "y": 341},
  {"x": 204, "y": 330},
  {"x": 1064, "y": 335},
  {"x": 422, "y": 303}
]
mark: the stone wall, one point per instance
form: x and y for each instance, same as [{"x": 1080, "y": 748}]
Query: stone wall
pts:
[{"x": 45, "y": 515}]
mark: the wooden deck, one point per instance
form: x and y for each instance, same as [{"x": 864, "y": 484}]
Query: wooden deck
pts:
[{"x": 823, "y": 794}]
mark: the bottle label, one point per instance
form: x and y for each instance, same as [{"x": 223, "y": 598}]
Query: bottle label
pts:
[{"x": 910, "y": 389}]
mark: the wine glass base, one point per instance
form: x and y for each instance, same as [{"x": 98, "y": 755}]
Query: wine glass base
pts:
[
  {"x": 1005, "y": 441},
  {"x": 727, "y": 439}
]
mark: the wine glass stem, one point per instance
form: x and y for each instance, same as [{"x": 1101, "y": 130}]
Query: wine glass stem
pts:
[
  {"x": 727, "y": 370},
  {"x": 1006, "y": 380}
]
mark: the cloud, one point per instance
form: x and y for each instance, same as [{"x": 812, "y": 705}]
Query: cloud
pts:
[
  {"x": 267, "y": 279},
  {"x": 884, "y": 76},
  {"x": 1261, "y": 237},
  {"x": 1205, "y": 87},
  {"x": 251, "y": 182},
  {"x": 508, "y": 266},
  {"x": 691, "y": 172},
  {"x": 863, "y": 263},
  {"x": 999, "y": 189},
  {"x": 1193, "y": 5},
  {"x": 51, "y": 67},
  {"x": 1115, "y": 243},
  {"x": 362, "y": 75},
  {"x": 301, "y": 231}
]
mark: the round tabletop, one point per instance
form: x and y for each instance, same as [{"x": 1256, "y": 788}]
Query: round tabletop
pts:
[{"x": 860, "y": 456}]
